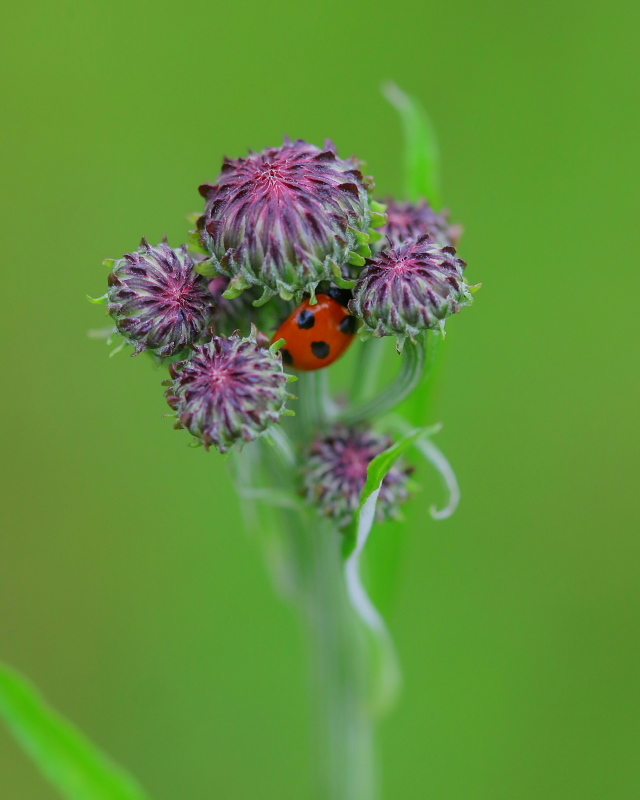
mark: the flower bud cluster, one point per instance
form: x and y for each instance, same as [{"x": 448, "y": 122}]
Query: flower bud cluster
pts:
[{"x": 276, "y": 224}]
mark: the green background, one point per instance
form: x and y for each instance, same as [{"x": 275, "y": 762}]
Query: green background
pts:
[{"x": 129, "y": 592}]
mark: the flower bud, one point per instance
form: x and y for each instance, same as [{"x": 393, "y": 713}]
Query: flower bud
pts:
[
  {"x": 229, "y": 391},
  {"x": 409, "y": 288},
  {"x": 336, "y": 472},
  {"x": 286, "y": 218},
  {"x": 410, "y": 220},
  {"x": 157, "y": 300}
]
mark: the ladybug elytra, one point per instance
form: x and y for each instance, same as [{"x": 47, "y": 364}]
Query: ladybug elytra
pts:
[{"x": 317, "y": 335}]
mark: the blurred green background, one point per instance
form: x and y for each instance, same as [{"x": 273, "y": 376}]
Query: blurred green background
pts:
[{"x": 129, "y": 592}]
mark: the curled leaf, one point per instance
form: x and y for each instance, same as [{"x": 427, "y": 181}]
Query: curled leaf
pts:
[{"x": 387, "y": 677}]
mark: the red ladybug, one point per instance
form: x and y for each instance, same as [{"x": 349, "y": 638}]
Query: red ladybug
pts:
[{"x": 317, "y": 335}]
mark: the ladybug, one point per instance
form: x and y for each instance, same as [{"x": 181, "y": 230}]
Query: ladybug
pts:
[{"x": 317, "y": 335}]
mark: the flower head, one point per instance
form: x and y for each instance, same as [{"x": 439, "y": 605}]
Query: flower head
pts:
[
  {"x": 410, "y": 220},
  {"x": 286, "y": 218},
  {"x": 336, "y": 472},
  {"x": 409, "y": 288},
  {"x": 229, "y": 391},
  {"x": 157, "y": 300}
]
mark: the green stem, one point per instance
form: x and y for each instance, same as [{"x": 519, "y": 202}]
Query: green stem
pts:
[
  {"x": 328, "y": 406},
  {"x": 414, "y": 358},
  {"x": 304, "y": 552},
  {"x": 340, "y": 666},
  {"x": 310, "y": 410},
  {"x": 340, "y": 650},
  {"x": 366, "y": 376},
  {"x": 418, "y": 407}
]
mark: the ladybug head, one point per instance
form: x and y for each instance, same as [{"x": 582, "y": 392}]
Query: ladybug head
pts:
[{"x": 342, "y": 296}]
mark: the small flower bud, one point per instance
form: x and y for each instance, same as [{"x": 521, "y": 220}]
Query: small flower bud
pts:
[
  {"x": 157, "y": 300},
  {"x": 409, "y": 288},
  {"x": 229, "y": 391},
  {"x": 410, "y": 220},
  {"x": 336, "y": 472},
  {"x": 286, "y": 218}
]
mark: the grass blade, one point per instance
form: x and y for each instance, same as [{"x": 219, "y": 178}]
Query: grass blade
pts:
[
  {"x": 73, "y": 765},
  {"x": 422, "y": 157}
]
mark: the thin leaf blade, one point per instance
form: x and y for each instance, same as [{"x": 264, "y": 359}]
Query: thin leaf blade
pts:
[
  {"x": 78, "y": 769},
  {"x": 376, "y": 472},
  {"x": 422, "y": 155},
  {"x": 386, "y": 677}
]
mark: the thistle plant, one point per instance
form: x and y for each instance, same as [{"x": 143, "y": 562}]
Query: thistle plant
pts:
[{"x": 293, "y": 260}]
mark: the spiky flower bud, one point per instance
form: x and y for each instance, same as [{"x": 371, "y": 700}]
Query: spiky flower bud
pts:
[
  {"x": 336, "y": 472},
  {"x": 286, "y": 218},
  {"x": 410, "y": 220},
  {"x": 157, "y": 300},
  {"x": 229, "y": 391},
  {"x": 409, "y": 288}
]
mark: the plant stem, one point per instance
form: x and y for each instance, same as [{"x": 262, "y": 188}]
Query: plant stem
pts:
[
  {"x": 340, "y": 651},
  {"x": 366, "y": 376},
  {"x": 340, "y": 666},
  {"x": 410, "y": 375},
  {"x": 309, "y": 411}
]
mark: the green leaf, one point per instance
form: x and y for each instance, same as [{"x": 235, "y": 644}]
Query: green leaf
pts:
[
  {"x": 73, "y": 765},
  {"x": 205, "y": 268},
  {"x": 422, "y": 167},
  {"x": 385, "y": 678},
  {"x": 438, "y": 461},
  {"x": 376, "y": 472},
  {"x": 193, "y": 240}
]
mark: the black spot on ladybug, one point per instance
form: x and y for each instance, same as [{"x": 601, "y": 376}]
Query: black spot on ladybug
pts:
[
  {"x": 341, "y": 295},
  {"x": 306, "y": 319},
  {"x": 349, "y": 325},
  {"x": 287, "y": 358},
  {"x": 320, "y": 349}
]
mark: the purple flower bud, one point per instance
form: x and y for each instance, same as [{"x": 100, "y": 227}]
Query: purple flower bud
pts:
[
  {"x": 336, "y": 472},
  {"x": 158, "y": 301},
  {"x": 409, "y": 288},
  {"x": 410, "y": 220},
  {"x": 286, "y": 218},
  {"x": 229, "y": 391}
]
